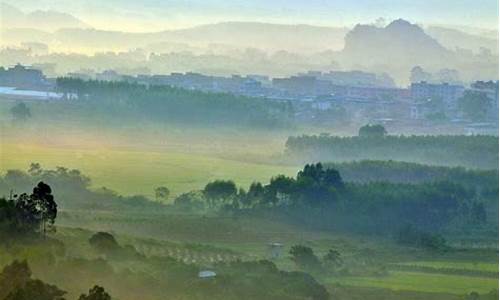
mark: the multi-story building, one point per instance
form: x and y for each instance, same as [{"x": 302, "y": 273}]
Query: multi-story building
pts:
[
  {"x": 302, "y": 86},
  {"x": 490, "y": 89},
  {"x": 448, "y": 93},
  {"x": 24, "y": 77}
]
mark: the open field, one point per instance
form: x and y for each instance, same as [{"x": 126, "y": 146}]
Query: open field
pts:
[
  {"x": 247, "y": 238},
  {"x": 140, "y": 172},
  {"x": 424, "y": 282},
  {"x": 474, "y": 266}
]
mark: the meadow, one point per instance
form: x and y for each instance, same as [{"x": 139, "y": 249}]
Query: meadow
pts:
[
  {"x": 132, "y": 172},
  {"x": 247, "y": 238},
  {"x": 423, "y": 282}
]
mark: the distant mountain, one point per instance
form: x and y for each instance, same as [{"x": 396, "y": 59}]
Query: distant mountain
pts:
[
  {"x": 273, "y": 37},
  {"x": 302, "y": 38},
  {"x": 12, "y": 17},
  {"x": 400, "y": 42},
  {"x": 453, "y": 38},
  {"x": 400, "y": 46}
]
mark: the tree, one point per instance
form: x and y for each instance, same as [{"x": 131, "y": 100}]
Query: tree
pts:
[
  {"x": 96, "y": 293},
  {"x": 304, "y": 257},
  {"x": 333, "y": 259},
  {"x": 35, "y": 211},
  {"x": 45, "y": 204},
  {"x": 104, "y": 242},
  {"x": 162, "y": 193},
  {"x": 16, "y": 284},
  {"x": 478, "y": 213},
  {"x": 372, "y": 131},
  {"x": 190, "y": 201},
  {"x": 37, "y": 289},
  {"x": 20, "y": 112},
  {"x": 475, "y": 105},
  {"x": 219, "y": 191},
  {"x": 14, "y": 276},
  {"x": 417, "y": 74}
]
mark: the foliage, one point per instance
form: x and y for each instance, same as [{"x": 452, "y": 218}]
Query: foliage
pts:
[
  {"x": 96, "y": 293},
  {"x": 191, "y": 201},
  {"x": 104, "y": 242},
  {"x": 444, "y": 150},
  {"x": 170, "y": 104},
  {"x": 376, "y": 130},
  {"x": 258, "y": 280},
  {"x": 304, "y": 257},
  {"x": 475, "y": 105},
  {"x": 20, "y": 112},
  {"x": 74, "y": 191},
  {"x": 411, "y": 236},
  {"x": 29, "y": 213},
  {"x": 162, "y": 193},
  {"x": 16, "y": 284},
  {"x": 365, "y": 171},
  {"x": 332, "y": 259},
  {"x": 219, "y": 192}
]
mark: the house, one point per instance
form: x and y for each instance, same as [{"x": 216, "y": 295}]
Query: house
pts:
[
  {"x": 206, "y": 274},
  {"x": 275, "y": 250}
]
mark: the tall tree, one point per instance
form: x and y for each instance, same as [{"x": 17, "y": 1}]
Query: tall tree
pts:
[
  {"x": 96, "y": 293},
  {"x": 372, "y": 131},
  {"x": 20, "y": 112},
  {"x": 475, "y": 105}
]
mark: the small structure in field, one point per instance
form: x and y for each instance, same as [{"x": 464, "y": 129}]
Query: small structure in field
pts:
[
  {"x": 205, "y": 274},
  {"x": 275, "y": 250}
]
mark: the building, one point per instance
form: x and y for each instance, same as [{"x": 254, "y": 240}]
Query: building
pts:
[
  {"x": 490, "y": 89},
  {"x": 448, "y": 93},
  {"x": 275, "y": 250},
  {"x": 23, "y": 77},
  {"x": 366, "y": 93},
  {"x": 302, "y": 86},
  {"x": 206, "y": 274}
]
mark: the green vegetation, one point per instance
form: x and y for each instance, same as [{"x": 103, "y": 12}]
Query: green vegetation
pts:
[
  {"x": 436, "y": 283},
  {"x": 404, "y": 172},
  {"x": 20, "y": 112},
  {"x": 468, "y": 151},
  {"x": 475, "y": 105},
  {"x": 348, "y": 230},
  {"x": 123, "y": 171},
  {"x": 175, "y": 105},
  {"x": 372, "y": 131}
]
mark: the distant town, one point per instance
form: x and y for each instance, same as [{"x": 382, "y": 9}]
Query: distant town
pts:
[{"x": 315, "y": 96}]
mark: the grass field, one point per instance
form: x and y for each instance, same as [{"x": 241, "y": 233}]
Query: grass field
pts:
[
  {"x": 475, "y": 266},
  {"x": 139, "y": 172},
  {"x": 424, "y": 282}
]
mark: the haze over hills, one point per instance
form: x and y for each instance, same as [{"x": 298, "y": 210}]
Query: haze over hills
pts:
[
  {"x": 400, "y": 41},
  {"x": 454, "y": 38},
  {"x": 12, "y": 17},
  {"x": 399, "y": 46},
  {"x": 255, "y": 47},
  {"x": 298, "y": 38}
]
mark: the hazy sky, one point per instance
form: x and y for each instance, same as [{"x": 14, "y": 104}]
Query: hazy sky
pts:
[{"x": 148, "y": 15}]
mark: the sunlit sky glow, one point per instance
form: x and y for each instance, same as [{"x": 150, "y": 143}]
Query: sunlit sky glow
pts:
[{"x": 153, "y": 15}]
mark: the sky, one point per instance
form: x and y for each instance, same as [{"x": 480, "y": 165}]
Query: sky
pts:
[{"x": 152, "y": 15}]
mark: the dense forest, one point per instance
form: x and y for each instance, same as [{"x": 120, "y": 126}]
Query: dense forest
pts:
[
  {"x": 453, "y": 150},
  {"x": 176, "y": 105}
]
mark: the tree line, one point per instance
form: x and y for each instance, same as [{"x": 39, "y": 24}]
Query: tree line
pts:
[
  {"x": 478, "y": 151},
  {"x": 172, "y": 104},
  {"x": 320, "y": 197}
]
